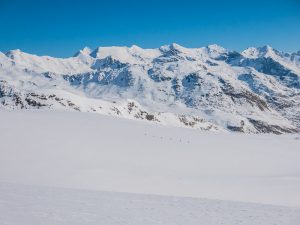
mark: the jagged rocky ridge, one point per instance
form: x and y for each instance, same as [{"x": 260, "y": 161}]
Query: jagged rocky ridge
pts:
[{"x": 209, "y": 88}]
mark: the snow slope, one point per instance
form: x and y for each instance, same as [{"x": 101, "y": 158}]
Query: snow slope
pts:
[
  {"x": 208, "y": 88},
  {"x": 94, "y": 152},
  {"x": 34, "y": 205}
]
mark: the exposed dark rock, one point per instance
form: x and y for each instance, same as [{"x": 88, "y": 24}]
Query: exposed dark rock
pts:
[
  {"x": 190, "y": 123},
  {"x": 263, "y": 127},
  {"x": 116, "y": 110},
  {"x": 191, "y": 81},
  {"x": 34, "y": 103},
  {"x": 235, "y": 128},
  {"x": 251, "y": 98},
  {"x": 157, "y": 77},
  {"x": 150, "y": 117},
  {"x": 71, "y": 104}
]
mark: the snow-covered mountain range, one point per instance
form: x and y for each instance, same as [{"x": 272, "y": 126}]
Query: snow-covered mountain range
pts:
[{"x": 209, "y": 88}]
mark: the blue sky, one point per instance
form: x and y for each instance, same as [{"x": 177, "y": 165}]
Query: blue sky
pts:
[{"x": 60, "y": 28}]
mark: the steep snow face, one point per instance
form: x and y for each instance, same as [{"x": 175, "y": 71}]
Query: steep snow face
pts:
[{"x": 257, "y": 90}]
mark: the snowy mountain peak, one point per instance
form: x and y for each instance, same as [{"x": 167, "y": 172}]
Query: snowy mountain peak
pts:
[
  {"x": 209, "y": 88},
  {"x": 251, "y": 52},
  {"x": 12, "y": 53},
  {"x": 265, "y": 48},
  {"x": 216, "y": 48},
  {"x": 132, "y": 55},
  {"x": 114, "y": 51},
  {"x": 177, "y": 47},
  {"x": 84, "y": 51},
  {"x": 268, "y": 51},
  {"x": 172, "y": 47},
  {"x": 136, "y": 48},
  {"x": 264, "y": 51},
  {"x": 95, "y": 52},
  {"x": 215, "y": 51}
]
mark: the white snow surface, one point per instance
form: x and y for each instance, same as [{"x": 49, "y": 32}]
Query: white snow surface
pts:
[
  {"x": 35, "y": 205},
  {"x": 62, "y": 168},
  {"x": 90, "y": 151}
]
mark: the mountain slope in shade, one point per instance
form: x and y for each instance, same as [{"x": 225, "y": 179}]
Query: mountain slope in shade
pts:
[{"x": 209, "y": 88}]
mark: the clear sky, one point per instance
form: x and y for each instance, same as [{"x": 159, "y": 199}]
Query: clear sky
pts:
[{"x": 61, "y": 27}]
